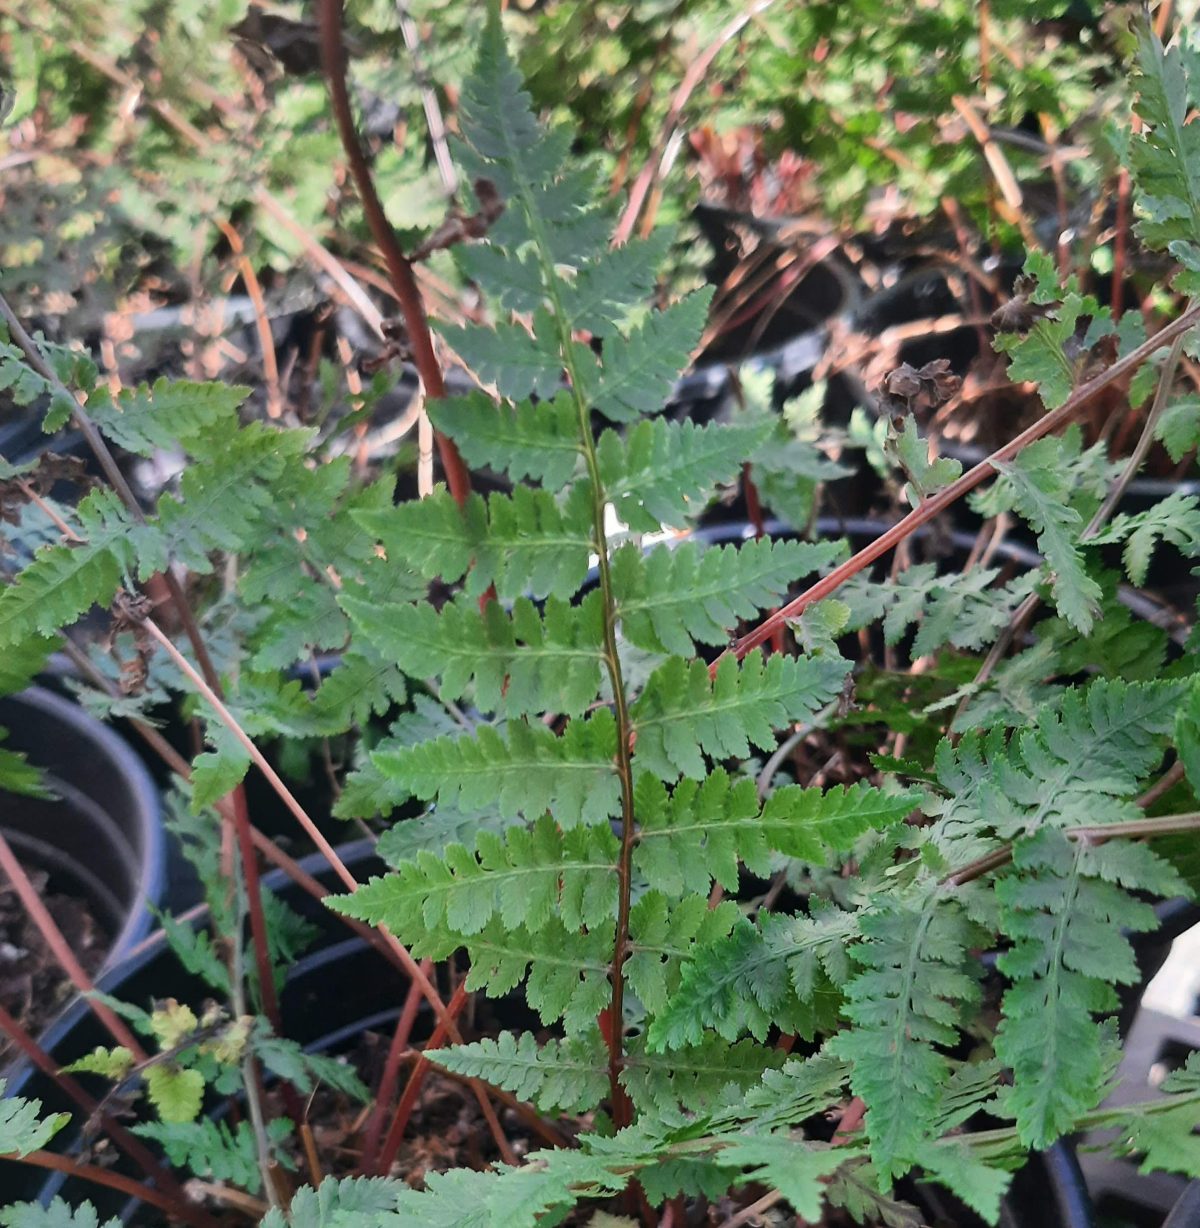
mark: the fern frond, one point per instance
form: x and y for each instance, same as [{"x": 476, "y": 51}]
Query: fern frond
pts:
[
  {"x": 526, "y": 544},
  {"x": 212, "y": 1149},
  {"x": 1035, "y": 487},
  {"x": 663, "y": 934},
  {"x": 700, "y": 832},
  {"x": 661, "y": 472},
  {"x": 683, "y": 714},
  {"x": 640, "y": 368},
  {"x": 539, "y": 441},
  {"x": 22, "y": 1127},
  {"x": 64, "y": 581},
  {"x": 1175, "y": 519},
  {"x": 519, "y": 662},
  {"x": 56, "y": 1214},
  {"x": 524, "y": 770},
  {"x": 671, "y": 599},
  {"x": 1166, "y": 154},
  {"x": 566, "y": 1076},
  {"x": 918, "y": 978},
  {"x": 743, "y": 984},
  {"x": 567, "y": 971},
  {"x": 1065, "y": 910},
  {"x": 525, "y": 877},
  {"x": 343, "y": 1200},
  {"x": 167, "y": 414},
  {"x": 695, "y": 1079}
]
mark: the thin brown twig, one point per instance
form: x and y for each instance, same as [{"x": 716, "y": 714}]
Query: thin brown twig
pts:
[{"x": 262, "y": 321}]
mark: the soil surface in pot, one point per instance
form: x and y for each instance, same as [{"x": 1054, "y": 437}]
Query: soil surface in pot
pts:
[{"x": 33, "y": 988}]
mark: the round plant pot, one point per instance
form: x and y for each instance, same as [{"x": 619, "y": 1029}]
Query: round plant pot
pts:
[
  {"x": 1186, "y": 1212},
  {"x": 341, "y": 988},
  {"x": 100, "y": 838}
]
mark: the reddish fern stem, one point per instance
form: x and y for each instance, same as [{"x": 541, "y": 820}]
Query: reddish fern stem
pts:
[
  {"x": 932, "y": 507},
  {"x": 400, "y": 271}
]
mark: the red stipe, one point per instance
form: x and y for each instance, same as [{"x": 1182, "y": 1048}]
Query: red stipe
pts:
[
  {"x": 400, "y": 273},
  {"x": 932, "y": 507},
  {"x": 412, "y": 1089},
  {"x": 391, "y": 1075},
  {"x": 39, "y": 914},
  {"x": 254, "y": 905}
]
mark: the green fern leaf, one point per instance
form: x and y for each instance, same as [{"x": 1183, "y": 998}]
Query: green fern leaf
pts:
[
  {"x": 523, "y": 662},
  {"x": 737, "y": 985},
  {"x": 1175, "y": 519},
  {"x": 526, "y": 544},
  {"x": 925, "y": 476},
  {"x": 700, "y": 832},
  {"x": 1064, "y": 911},
  {"x": 918, "y": 977},
  {"x": 58, "y": 1214},
  {"x": 565, "y": 1076},
  {"x": 599, "y": 298},
  {"x": 519, "y": 364},
  {"x": 22, "y": 1128},
  {"x": 1035, "y": 487},
  {"x": 1166, "y": 155},
  {"x": 567, "y": 972},
  {"x": 212, "y": 1149},
  {"x": 527, "y": 441},
  {"x": 663, "y": 934},
  {"x": 641, "y": 367},
  {"x": 661, "y": 472},
  {"x": 524, "y": 770},
  {"x": 337, "y": 1203},
  {"x": 172, "y": 412},
  {"x": 525, "y": 877},
  {"x": 1178, "y": 430},
  {"x": 682, "y": 714},
  {"x": 793, "y": 1167},
  {"x": 672, "y": 599},
  {"x": 693, "y": 1080}
]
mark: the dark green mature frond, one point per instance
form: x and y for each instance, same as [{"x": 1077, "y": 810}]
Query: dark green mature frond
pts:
[
  {"x": 539, "y": 441},
  {"x": 528, "y": 543},
  {"x": 661, "y": 472},
  {"x": 918, "y": 979},
  {"x": 671, "y": 599},
  {"x": 745, "y": 982},
  {"x": 519, "y": 662},
  {"x": 1067, "y": 910},
  {"x": 525, "y": 877},
  {"x": 526, "y": 769},
  {"x": 683, "y": 714}
]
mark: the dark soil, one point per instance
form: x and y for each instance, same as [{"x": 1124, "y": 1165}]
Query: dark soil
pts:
[{"x": 33, "y": 988}]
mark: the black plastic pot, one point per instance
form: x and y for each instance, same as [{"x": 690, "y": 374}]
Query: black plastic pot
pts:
[
  {"x": 1186, "y": 1212},
  {"x": 341, "y": 988},
  {"x": 101, "y": 838}
]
